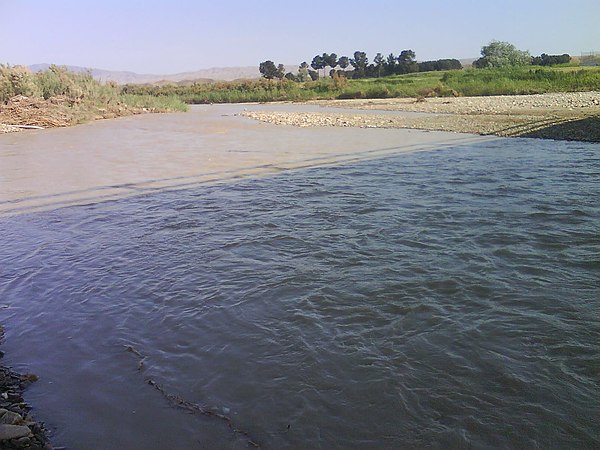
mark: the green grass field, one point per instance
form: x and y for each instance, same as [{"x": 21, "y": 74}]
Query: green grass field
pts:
[{"x": 467, "y": 82}]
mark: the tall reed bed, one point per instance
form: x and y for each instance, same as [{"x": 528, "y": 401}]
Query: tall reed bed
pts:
[{"x": 75, "y": 89}]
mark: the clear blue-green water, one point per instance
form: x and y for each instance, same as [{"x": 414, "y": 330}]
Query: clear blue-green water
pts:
[{"x": 444, "y": 299}]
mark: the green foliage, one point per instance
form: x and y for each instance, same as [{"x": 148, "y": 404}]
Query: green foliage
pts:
[
  {"x": 153, "y": 103},
  {"x": 303, "y": 73},
  {"x": 440, "y": 64},
  {"x": 80, "y": 92},
  {"x": 501, "y": 54},
  {"x": 17, "y": 80},
  {"x": 360, "y": 63},
  {"x": 512, "y": 80},
  {"x": 551, "y": 60},
  {"x": 521, "y": 80},
  {"x": 270, "y": 71}
]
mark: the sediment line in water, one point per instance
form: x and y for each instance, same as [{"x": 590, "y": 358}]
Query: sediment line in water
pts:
[
  {"x": 182, "y": 403},
  {"x": 98, "y": 194}
]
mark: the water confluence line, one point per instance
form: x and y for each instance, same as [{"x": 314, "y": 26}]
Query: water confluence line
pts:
[{"x": 26, "y": 205}]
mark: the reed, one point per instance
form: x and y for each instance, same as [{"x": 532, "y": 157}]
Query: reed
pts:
[{"x": 80, "y": 92}]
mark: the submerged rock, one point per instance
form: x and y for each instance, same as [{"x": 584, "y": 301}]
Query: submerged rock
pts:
[{"x": 17, "y": 428}]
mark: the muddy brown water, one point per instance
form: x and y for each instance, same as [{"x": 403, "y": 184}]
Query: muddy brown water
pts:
[{"x": 318, "y": 287}]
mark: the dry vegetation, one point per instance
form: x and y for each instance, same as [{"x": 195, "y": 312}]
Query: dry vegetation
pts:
[{"x": 58, "y": 98}]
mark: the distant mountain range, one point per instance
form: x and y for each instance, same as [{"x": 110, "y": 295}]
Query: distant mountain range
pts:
[
  {"x": 204, "y": 75},
  {"x": 198, "y": 76}
]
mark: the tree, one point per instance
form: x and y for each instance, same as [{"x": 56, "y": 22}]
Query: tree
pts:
[
  {"x": 406, "y": 56},
  {"x": 379, "y": 61},
  {"x": 502, "y": 54},
  {"x": 303, "y": 72},
  {"x": 551, "y": 60},
  {"x": 360, "y": 63},
  {"x": 390, "y": 64},
  {"x": 329, "y": 60},
  {"x": 440, "y": 64},
  {"x": 343, "y": 62},
  {"x": 270, "y": 71},
  {"x": 280, "y": 73},
  {"x": 406, "y": 62},
  {"x": 317, "y": 63}
]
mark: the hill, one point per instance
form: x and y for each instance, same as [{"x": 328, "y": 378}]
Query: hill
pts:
[{"x": 125, "y": 77}]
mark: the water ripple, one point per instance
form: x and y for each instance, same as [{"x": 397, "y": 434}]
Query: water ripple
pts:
[{"x": 442, "y": 299}]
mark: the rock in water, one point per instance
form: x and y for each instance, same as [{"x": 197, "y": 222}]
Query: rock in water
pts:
[{"x": 13, "y": 432}]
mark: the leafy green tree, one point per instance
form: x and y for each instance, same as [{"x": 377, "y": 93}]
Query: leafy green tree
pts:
[
  {"x": 343, "y": 62},
  {"x": 303, "y": 72},
  {"x": 280, "y": 73},
  {"x": 502, "y": 54},
  {"x": 317, "y": 63},
  {"x": 360, "y": 63},
  {"x": 440, "y": 64},
  {"x": 406, "y": 56},
  {"x": 330, "y": 60},
  {"x": 390, "y": 64},
  {"x": 269, "y": 70},
  {"x": 406, "y": 62},
  {"x": 379, "y": 61},
  {"x": 551, "y": 60}
]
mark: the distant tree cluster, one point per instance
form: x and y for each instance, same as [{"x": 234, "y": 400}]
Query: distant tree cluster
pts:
[
  {"x": 505, "y": 54},
  {"x": 551, "y": 60},
  {"x": 269, "y": 70},
  {"x": 501, "y": 54},
  {"x": 495, "y": 54},
  {"x": 381, "y": 66},
  {"x": 440, "y": 64}
]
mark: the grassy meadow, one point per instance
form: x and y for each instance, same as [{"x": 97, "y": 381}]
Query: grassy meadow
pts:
[{"x": 467, "y": 82}]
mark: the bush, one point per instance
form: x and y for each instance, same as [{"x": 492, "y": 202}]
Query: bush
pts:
[
  {"x": 551, "y": 60},
  {"x": 17, "y": 80}
]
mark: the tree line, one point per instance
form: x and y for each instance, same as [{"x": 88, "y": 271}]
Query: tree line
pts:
[
  {"x": 381, "y": 66},
  {"x": 505, "y": 54},
  {"x": 495, "y": 54}
]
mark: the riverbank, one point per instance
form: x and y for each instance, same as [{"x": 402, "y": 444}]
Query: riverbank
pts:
[
  {"x": 562, "y": 116},
  {"x": 17, "y": 428},
  {"x": 22, "y": 112},
  {"x": 59, "y": 98}
]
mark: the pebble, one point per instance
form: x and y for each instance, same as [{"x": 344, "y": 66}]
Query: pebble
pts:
[{"x": 570, "y": 116}]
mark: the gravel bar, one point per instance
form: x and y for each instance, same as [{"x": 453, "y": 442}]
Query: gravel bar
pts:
[{"x": 563, "y": 116}]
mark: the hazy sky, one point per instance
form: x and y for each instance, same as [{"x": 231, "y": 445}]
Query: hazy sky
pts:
[{"x": 153, "y": 36}]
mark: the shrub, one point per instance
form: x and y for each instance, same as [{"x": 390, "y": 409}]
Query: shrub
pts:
[{"x": 16, "y": 80}]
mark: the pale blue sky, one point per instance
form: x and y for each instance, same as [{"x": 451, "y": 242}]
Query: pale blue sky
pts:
[{"x": 174, "y": 36}]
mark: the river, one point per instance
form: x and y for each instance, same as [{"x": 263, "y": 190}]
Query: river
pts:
[{"x": 301, "y": 288}]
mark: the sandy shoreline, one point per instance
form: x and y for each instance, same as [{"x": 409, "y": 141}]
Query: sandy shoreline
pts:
[{"x": 564, "y": 116}]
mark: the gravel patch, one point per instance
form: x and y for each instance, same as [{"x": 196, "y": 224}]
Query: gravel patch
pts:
[{"x": 562, "y": 116}]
